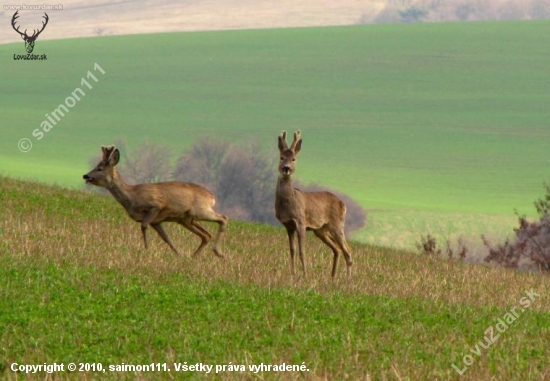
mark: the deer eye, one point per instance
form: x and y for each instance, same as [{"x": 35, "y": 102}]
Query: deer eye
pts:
[
  {"x": 293, "y": 159},
  {"x": 282, "y": 158},
  {"x": 100, "y": 169}
]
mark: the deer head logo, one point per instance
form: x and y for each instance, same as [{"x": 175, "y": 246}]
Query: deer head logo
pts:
[{"x": 29, "y": 40}]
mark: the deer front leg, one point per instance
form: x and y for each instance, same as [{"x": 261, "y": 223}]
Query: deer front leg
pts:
[
  {"x": 291, "y": 242},
  {"x": 149, "y": 216},
  {"x": 301, "y": 243}
]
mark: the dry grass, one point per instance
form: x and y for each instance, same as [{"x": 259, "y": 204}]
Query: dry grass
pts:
[
  {"x": 256, "y": 254},
  {"x": 75, "y": 231}
]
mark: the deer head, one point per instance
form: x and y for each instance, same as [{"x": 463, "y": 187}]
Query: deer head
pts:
[
  {"x": 29, "y": 40},
  {"x": 103, "y": 173},
  {"x": 287, "y": 164}
]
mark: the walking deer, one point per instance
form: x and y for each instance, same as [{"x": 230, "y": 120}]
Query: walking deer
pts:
[
  {"x": 298, "y": 211},
  {"x": 153, "y": 204}
]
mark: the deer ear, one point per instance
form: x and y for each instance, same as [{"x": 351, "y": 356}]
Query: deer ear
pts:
[
  {"x": 298, "y": 146},
  {"x": 114, "y": 157}
]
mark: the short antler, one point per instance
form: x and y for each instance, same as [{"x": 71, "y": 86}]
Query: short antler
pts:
[{"x": 283, "y": 145}]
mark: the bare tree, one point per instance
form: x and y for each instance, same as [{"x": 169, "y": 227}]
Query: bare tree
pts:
[
  {"x": 202, "y": 163},
  {"x": 148, "y": 163}
]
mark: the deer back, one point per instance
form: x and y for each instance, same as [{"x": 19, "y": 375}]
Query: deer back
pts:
[{"x": 174, "y": 198}]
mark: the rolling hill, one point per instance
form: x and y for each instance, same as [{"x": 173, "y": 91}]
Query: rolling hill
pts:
[{"x": 431, "y": 127}]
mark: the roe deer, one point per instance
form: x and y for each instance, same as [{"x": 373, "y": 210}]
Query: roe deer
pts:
[
  {"x": 298, "y": 211},
  {"x": 153, "y": 204}
]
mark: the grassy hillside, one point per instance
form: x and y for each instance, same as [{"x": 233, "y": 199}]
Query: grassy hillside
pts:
[
  {"x": 77, "y": 286},
  {"x": 415, "y": 120}
]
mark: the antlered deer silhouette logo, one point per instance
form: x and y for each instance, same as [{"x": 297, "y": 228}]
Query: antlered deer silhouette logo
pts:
[{"x": 29, "y": 40}]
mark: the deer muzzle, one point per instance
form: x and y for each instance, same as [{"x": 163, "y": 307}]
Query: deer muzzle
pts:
[{"x": 286, "y": 171}]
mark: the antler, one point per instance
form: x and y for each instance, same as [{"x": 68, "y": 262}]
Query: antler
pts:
[
  {"x": 107, "y": 152},
  {"x": 15, "y": 17},
  {"x": 36, "y": 34},
  {"x": 282, "y": 142},
  {"x": 296, "y": 138}
]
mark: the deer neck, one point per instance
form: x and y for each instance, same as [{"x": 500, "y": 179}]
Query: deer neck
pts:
[
  {"x": 285, "y": 190},
  {"x": 121, "y": 191}
]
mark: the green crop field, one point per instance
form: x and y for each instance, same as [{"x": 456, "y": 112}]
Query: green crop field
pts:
[
  {"x": 78, "y": 287},
  {"x": 433, "y": 127}
]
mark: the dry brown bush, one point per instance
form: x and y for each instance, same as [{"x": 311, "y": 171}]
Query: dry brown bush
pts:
[{"x": 529, "y": 249}]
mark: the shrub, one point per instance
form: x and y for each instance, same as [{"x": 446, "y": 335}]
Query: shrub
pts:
[
  {"x": 428, "y": 245},
  {"x": 413, "y": 14},
  {"x": 148, "y": 163},
  {"x": 529, "y": 248}
]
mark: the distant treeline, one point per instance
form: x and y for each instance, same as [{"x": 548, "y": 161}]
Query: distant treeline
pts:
[{"x": 459, "y": 10}]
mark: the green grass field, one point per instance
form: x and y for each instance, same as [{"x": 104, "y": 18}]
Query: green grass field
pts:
[
  {"x": 78, "y": 286},
  {"x": 446, "y": 121}
]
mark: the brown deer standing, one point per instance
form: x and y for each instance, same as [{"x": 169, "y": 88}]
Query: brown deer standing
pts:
[
  {"x": 298, "y": 211},
  {"x": 153, "y": 204}
]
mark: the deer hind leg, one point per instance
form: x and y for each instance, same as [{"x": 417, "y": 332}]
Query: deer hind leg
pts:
[
  {"x": 160, "y": 230},
  {"x": 301, "y": 243},
  {"x": 190, "y": 225},
  {"x": 340, "y": 238},
  {"x": 202, "y": 229},
  {"x": 220, "y": 219},
  {"x": 327, "y": 239}
]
